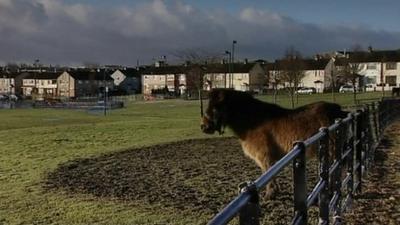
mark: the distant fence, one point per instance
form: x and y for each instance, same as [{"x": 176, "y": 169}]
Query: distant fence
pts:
[
  {"x": 354, "y": 140},
  {"x": 79, "y": 105}
]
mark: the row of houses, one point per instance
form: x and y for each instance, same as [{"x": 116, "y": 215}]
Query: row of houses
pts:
[
  {"x": 377, "y": 69},
  {"x": 70, "y": 83}
]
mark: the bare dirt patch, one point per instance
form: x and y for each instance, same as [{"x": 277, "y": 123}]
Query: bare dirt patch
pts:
[
  {"x": 200, "y": 177},
  {"x": 194, "y": 176},
  {"x": 379, "y": 201}
]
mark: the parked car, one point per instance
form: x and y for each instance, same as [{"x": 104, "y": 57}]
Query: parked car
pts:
[
  {"x": 346, "y": 88},
  {"x": 306, "y": 90}
]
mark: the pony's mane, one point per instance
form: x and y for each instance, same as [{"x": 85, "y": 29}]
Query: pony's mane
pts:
[
  {"x": 244, "y": 102},
  {"x": 243, "y": 111}
]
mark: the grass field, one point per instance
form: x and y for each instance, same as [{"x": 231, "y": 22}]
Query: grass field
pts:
[{"x": 33, "y": 142}]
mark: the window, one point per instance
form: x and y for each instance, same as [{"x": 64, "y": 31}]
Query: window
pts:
[
  {"x": 371, "y": 80},
  {"x": 371, "y": 66},
  {"x": 391, "y": 66},
  {"x": 391, "y": 80}
]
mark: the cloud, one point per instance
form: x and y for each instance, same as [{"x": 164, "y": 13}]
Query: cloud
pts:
[{"x": 57, "y": 32}]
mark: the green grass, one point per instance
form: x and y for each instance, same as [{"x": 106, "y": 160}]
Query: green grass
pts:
[{"x": 34, "y": 141}]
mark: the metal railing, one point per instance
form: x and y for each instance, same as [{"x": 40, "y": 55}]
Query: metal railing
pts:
[{"x": 345, "y": 151}]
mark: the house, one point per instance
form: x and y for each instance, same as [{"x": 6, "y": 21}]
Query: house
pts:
[
  {"x": 316, "y": 73},
  {"x": 183, "y": 79},
  {"x": 40, "y": 84},
  {"x": 377, "y": 67},
  {"x": 7, "y": 83},
  {"x": 127, "y": 80},
  {"x": 239, "y": 76},
  {"x": 83, "y": 82},
  {"x": 11, "y": 82}
]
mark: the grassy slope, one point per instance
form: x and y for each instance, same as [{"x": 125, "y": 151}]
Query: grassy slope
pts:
[{"x": 35, "y": 141}]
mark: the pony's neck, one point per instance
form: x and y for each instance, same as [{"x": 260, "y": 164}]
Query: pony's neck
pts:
[{"x": 248, "y": 115}]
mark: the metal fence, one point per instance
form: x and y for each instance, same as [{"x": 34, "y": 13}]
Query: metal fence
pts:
[{"x": 352, "y": 142}]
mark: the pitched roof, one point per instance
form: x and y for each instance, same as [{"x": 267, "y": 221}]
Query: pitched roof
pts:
[
  {"x": 308, "y": 64},
  {"x": 130, "y": 72},
  {"x": 164, "y": 70},
  {"x": 374, "y": 56},
  {"x": 42, "y": 76},
  {"x": 312, "y": 64},
  {"x": 224, "y": 68},
  {"x": 90, "y": 74},
  {"x": 209, "y": 68}
]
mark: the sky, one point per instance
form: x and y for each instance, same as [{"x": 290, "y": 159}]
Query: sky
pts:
[{"x": 123, "y": 32}]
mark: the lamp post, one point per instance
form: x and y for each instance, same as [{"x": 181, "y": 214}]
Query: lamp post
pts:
[
  {"x": 233, "y": 60},
  {"x": 229, "y": 67}
]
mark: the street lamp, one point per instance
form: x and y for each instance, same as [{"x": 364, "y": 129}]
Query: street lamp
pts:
[
  {"x": 233, "y": 59},
  {"x": 229, "y": 67}
]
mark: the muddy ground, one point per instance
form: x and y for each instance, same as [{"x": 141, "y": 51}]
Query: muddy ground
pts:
[
  {"x": 379, "y": 202},
  {"x": 201, "y": 177}
]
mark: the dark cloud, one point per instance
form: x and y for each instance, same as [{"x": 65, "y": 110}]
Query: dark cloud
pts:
[{"x": 56, "y": 32}]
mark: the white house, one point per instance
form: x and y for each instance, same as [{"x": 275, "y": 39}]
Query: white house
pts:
[
  {"x": 379, "y": 67},
  {"x": 317, "y": 73},
  {"x": 172, "y": 78},
  {"x": 40, "y": 84},
  {"x": 239, "y": 76}
]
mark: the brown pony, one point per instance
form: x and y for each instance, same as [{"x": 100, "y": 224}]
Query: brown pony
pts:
[{"x": 266, "y": 131}]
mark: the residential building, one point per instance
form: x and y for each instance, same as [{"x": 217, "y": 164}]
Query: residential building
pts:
[
  {"x": 171, "y": 78},
  {"x": 79, "y": 83},
  {"x": 127, "y": 80},
  {"x": 316, "y": 73},
  {"x": 378, "y": 68},
  {"x": 40, "y": 85},
  {"x": 241, "y": 76}
]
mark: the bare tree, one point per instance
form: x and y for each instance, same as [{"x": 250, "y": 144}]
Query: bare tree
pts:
[{"x": 291, "y": 71}]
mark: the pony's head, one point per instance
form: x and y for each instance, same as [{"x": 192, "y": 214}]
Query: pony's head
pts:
[{"x": 214, "y": 118}]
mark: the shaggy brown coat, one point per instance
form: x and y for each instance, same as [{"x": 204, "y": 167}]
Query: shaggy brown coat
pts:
[{"x": 266, "y": 131}]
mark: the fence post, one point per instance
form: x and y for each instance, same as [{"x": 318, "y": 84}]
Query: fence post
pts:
[
  {"x": 323, "y": 198},
  {"x": 366, "y": 132},
  {"x": 350, "y": 161},
  {"x": 359, "y": 161},
  {"x": 249, "y": 214},
  {"x": 300, "y": 185},
  {"x": 336, "y": 181},
  {"x": 375, "y": 121}
]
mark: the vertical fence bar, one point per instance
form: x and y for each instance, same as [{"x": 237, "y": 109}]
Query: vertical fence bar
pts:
[
  {"x": 300, "y": 184},
  {"x": 375, "y": 121},
  {"x": 366, "y": 131},
  {"x": 350, "y": 160},
  {"x": 359, "y": 161},
  {"x": 250, "y": 214},
  {"x": 323, "y": 199},
  {"x": 380, "y": 119},
  {"x": 336, "y": 179}
]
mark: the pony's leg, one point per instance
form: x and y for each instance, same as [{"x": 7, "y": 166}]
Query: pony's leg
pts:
[{"x": 272, "y": 187}]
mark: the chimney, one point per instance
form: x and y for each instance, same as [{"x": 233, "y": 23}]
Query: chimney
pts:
[
  {"x": 370, "y": 49},
  {"x": 246, "y": 61}
]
